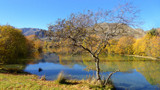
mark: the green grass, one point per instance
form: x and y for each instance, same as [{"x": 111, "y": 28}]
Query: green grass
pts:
[{"x": 31, "y": 82}]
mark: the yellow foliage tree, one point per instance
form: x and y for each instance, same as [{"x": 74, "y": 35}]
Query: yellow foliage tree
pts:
[
  {"x": 38, "y": 45},
  {"x": 139, "y": 47},
  {"x": 149, "y": 45},
  {"x": 155, "y": 46},
  {"x": 111, "y": 48},
  {"x": 125, "y": 45},
  {"x": 142, "y": 46},
  {"x": 13, "y": 45}
]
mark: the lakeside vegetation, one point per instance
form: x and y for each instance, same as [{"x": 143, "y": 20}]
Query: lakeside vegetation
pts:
[{"x": 149, "y": 45}]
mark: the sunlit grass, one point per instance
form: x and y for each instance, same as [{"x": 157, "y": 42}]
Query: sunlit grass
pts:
[{"x": 31, "y": 82}]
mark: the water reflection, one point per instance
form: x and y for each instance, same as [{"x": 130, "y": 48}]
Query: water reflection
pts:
[
  {"x": 135, "y": 73},
  {"x": 18, "y": 65}
]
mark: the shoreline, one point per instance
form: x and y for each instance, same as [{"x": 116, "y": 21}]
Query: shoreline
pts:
[{"x": 148, "y": 57}]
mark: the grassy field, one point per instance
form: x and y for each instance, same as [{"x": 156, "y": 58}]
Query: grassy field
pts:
[{"x": 32, "y": 82}]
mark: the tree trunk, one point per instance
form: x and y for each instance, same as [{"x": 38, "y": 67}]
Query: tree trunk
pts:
[{"x": 97, "y": 70}]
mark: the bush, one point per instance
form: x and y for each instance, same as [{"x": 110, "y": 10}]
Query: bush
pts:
[{"x": 43, "y": 78}]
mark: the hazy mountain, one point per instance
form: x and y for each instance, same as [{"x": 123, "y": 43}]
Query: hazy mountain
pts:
[
  {"x": 41, "y": 33},
  {"x": 29, "y": 31}
]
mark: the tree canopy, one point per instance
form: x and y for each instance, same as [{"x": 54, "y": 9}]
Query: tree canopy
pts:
[{"x": 13, "y": 45}]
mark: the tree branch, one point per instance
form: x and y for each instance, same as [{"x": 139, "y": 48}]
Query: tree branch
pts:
[
  {"x": 107, "y": 80},
  {"x": 75, "y": 44}
]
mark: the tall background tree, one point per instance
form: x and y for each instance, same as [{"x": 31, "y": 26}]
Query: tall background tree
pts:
[{"x": 92, "y": 30}]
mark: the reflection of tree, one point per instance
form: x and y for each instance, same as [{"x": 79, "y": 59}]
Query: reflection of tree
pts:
[
  {"x": 12, "y": 68},
  {"x": 36, "y": 55},
  {"x": 18, "y": 68},
  {"x": 70, "y": 60},
  {"x": 110, "y": 66},
  {"x": 150, "y": 70}
]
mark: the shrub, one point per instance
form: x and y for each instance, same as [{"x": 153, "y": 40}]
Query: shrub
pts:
[
  {"x": 43, "y": 78},
  {"x": 61, "y": 79}
]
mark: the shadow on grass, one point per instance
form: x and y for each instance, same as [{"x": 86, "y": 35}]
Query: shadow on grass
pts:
[
  {"x": 69, "y": 83},
  {"x": 63, "y": 79},
  {"x": 12, "y": 71}
]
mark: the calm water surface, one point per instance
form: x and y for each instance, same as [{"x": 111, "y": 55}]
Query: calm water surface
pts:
[{"x": 135, "y": 73}]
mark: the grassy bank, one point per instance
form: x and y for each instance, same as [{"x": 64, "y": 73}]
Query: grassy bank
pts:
[{"x": 31, "y": 82}]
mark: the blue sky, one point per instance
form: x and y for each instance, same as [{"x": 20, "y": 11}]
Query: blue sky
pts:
[{"x": 40, "y": 13}]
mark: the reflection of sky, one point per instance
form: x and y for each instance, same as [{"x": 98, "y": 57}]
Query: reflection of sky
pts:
[
  {"x": 46, "y": 66},
  {"x": 51, "y": 70},
  {"x": 132, "y": 80},
  {"x": 52, "y": 66}
]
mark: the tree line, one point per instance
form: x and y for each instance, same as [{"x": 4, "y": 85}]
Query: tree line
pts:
[{"x": 149, "y": 45}]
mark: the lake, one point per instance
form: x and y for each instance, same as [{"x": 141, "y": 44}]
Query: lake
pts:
[{"x": 135, "y": 73}]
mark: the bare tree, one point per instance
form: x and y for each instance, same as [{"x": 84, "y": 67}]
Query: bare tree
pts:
[{"x": 91, "y": 31}]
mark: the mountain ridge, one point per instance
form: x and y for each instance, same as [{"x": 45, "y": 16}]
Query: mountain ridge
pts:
[
  {"x": 41, "y": 33},
  {"x": 29, "y": 31}
]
